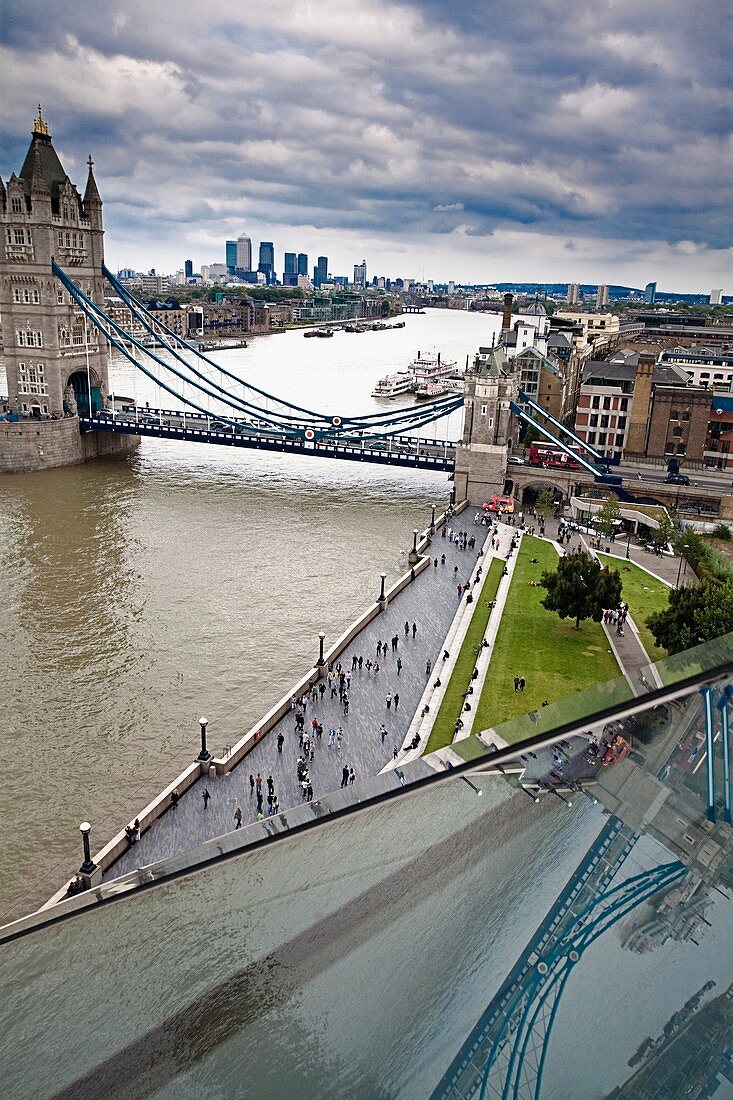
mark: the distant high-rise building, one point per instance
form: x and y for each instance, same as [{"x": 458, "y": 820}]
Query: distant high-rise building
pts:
[
  {"x": 320, "y": 271},
  {"x": 267, "y": 260},
  {"x": 716, "y": 297},
  {"x": 188, "y": 268},
  {"x": 573, "y": 294},
  {"x": 360, "y": 274},
  {"x": 231, "y": 255},
  {"x": 650, "y": 294},
  {"x": 290, "y": 271},
  {"x": 303, "y": 263},
  {"x": 244, "y": 253},
  {"x": 602, "y": 296}
]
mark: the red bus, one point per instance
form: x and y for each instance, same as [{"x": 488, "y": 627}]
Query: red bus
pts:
[
  {"x": 500, "y": 504},
  {"x": 545, "y": 454}
]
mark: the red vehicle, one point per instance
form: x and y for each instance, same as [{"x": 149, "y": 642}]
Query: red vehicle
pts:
[
  {"x": 618, "y": 751},
  {"x": 500, "y": 504},
  {"x": 544, "y": 454}
]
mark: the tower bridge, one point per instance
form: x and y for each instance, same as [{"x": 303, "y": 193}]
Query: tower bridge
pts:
[{"x": 57, "y": 334}]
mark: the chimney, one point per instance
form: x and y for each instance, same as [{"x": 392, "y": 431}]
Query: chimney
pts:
[
  {"x": 641, "y": 405},
  {"x": 506, "y": 317}
]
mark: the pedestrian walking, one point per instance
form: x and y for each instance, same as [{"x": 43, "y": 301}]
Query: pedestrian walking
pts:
[
  {"x": 344, "y": 775},
  {"x": 407, "y": 629},
  {"x": 352, "y": 777},
  {"x": 270, "y": 784},
  {"x": 174, "y": 798},
  {"x": 258, "y": 781},
  {"x": 414, "y": 629},
  {"x": 206, "y": 797},
  {"x": 238, "y": 818},
  {"x": 388, "y": 700},
  {"x": 383, "y": 732},
  {"x": 396, "y": 700},
  {"x": 331, "y": 737},
  {"x": 251, "y": 783},
  {"x": 399, "y": 666},
  {"x": 280, "y": 743},
  {"x": 516, "y": 683},
  {"x": 522, "y": 682},
  {"x": 379, "y": 649},
  {"x": 428, "y": 666},
  {"x": 395, "y": 752}
]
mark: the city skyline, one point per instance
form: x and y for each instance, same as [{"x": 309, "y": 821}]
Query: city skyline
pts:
[{"x": 400, "y": 133}]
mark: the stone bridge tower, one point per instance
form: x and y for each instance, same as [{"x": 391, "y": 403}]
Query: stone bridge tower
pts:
[
  {"x": 56, "y": 363},
  {"x": 488, "y": 427}
]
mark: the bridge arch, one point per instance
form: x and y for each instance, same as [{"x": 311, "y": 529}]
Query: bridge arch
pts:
[{"x": 77, "y": 388}]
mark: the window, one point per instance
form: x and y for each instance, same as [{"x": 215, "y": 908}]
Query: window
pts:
[
  {"x": 484, "y": 410},
  {"x": 685, "y": 415},
  {"x": 19, "y": 236},
  {"x": 595, "y": 402},
  {"x": 26, "y": 338},
  {"x": 591, "y": 437},
  {"x": 604, "y": 421},
  {"x": 26, "y": 295},
  {"x": 674, "y": 415},
  {"x": 593, "y": 420},
  {"x": 677, "y": 433},
  {"x": 619, "y": 440},
  {"x": 16, "y": 205},
  {"x": 621, "y": 422},
  {"x": 601, "y": 439},
  {"x": 606, "y": 402},
  {"x": 59, "y": 297}
]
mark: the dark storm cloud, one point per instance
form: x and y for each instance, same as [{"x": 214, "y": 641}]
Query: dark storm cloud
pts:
[{"x": 609, "y": 122}]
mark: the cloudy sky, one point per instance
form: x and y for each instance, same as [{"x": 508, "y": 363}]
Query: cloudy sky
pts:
[{"x": 488, "y": 141}]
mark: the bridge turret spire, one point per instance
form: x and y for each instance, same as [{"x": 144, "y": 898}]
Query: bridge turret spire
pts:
[{"x": 40, "y": 126}]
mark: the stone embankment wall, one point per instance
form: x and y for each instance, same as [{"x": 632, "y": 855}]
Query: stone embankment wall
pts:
[{"x": 29, "y": 445}]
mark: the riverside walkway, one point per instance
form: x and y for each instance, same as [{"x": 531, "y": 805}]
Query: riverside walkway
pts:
[{"x": 430, "y": 601}]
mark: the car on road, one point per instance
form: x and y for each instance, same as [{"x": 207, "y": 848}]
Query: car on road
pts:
[
  {"x": 515, "y": 460},
  {"x": 677, "y": 479},
  {"x": 222, "y": 426},
  {"x": 154, "y": 420}
]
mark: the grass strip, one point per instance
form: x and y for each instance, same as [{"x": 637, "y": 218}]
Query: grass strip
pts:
[
  {"x": 452, "y": 704},
  {"x": 645, "y": 595},
  {"x": 555, "y": 659}
]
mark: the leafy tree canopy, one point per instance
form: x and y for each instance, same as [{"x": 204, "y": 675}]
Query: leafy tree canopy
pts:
[
  {"x": 581, "y": 589},
  {"x": 545, "y": 503},
  {"x": 605, "y": 517},
  {"x": 695, "y": 615}
]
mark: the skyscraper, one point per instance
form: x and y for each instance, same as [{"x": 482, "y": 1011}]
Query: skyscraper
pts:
[
  {"x": 360, "y": 274},
  {"x": 267, "y": 260},
  {"x": 602, "y": 296},
  {"x": 650, "y": 293},
  {"x": 303, "y": 263},
  {"x": 244, "y": 253},
  {"x": 231, "y": 255},
  {"x": 188, "y": 268},
  {"x": 716, "y": 296},
  {"x": 290, "y": 272},
  {"x": 573, "y": 294},
  {"x": 320, "y": 271}
]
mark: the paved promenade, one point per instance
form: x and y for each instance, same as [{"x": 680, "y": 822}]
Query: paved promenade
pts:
[{"x": 430, "y": 602}]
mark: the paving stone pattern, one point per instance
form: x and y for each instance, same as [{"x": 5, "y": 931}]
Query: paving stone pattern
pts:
[{"x": 431, "y": 602}]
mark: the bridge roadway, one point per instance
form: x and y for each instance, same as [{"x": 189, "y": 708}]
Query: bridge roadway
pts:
[
  {"x": 402, "y": 450},
  {"x": 641, "y": 482}
]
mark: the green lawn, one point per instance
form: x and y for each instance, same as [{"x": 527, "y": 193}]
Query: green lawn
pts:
[
  {"x": 452, "y": 705},
  {"x": 644, "y": 595},
  {"x": 556, "y": 659}
]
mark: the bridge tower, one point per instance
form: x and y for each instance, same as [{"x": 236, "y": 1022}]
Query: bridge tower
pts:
[
  {"x": 488, "y": 427},
  {"x": 55, "y": 362}
]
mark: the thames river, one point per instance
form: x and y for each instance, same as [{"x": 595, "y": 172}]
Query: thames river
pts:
[{"x": 140, "y": 594}]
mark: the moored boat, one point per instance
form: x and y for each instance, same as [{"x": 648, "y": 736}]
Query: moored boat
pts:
[{"x": 394, "y": 384}]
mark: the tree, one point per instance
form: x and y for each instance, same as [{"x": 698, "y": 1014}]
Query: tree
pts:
[
  {"x": 605, "y": 518},
  {"x": 545, "y": 503},
  {"x": 695, "y": 615},
  {"x": 581, "y": 589},
  {"x": 530, "y": 436}
]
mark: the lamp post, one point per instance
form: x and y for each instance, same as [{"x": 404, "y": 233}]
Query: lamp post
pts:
[
  {"x": 534, "y": 797},
  {"x": 204, "y": 754},
  {"x": 558, "y": 795},
  {"x": 88, "y": 866},
  {"x": 382, "y": 596},
  {"x": 473, "y": 786},
  {"x": 432, "y": 519},
  {"x": 413, "y": 556},
  {"x": 321, "y": 637},
  {"x": 628, "y": 544}
]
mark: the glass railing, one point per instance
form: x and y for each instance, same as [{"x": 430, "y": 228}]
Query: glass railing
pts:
[{"x": 533, "y": 919}]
